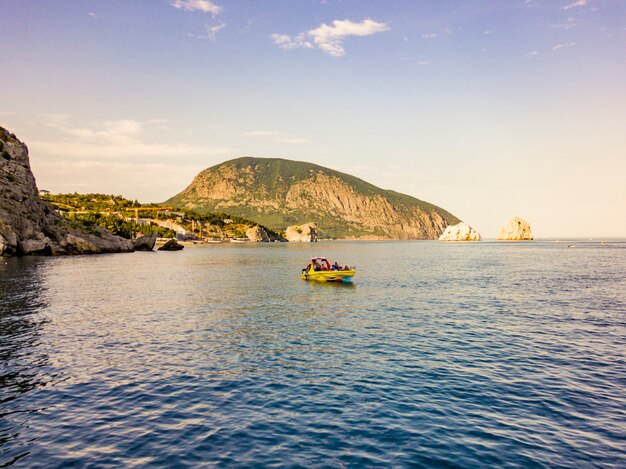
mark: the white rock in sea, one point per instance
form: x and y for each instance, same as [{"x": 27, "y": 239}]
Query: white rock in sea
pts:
[
  {"x": 460, "y": 232},
  {"x": 515, "y": 229},
  {"x": 306, "y": 233}
]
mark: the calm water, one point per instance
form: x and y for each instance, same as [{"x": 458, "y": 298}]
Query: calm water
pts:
[{"x": 487, "y": 354}]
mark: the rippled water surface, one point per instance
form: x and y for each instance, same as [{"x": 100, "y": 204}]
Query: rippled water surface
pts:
[{"x": 483, "y": 354}]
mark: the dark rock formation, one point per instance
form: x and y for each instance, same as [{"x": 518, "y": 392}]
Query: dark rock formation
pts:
[
  {"x": 28, "y": 225},
  {"x": 145, "y": 243},
  {"x": 171, "y": 245}
]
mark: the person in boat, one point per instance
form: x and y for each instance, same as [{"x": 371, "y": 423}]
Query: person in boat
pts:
[
  {"x": 336, "y": 266},
  {"x": 317, "y": 267}
]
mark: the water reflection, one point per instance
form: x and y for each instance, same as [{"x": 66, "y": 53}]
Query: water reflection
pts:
[
  {"x": 437, "y": 354},
  {"x": 22, "y": 362}
]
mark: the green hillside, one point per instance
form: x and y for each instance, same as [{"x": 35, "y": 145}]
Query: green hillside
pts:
[
  {"x": 116, "y": 213},
  {"x": 278, "y": 192}
]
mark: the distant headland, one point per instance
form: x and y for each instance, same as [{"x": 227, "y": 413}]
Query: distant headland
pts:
[
  {"x": 241, "y": 200},
  {"x": 278, "y": 193}
]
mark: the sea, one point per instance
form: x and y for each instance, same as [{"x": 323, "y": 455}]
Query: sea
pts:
[{"x": 489, "y": 354}]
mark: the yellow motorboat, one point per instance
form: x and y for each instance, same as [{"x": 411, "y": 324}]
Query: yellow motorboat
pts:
[{"x": 320, "y": 270}]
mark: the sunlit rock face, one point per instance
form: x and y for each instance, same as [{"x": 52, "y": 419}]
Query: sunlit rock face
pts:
[
  {"x": 306, "y": 233},
  {"x": 256, "y": 234},
  {"x": 28, "y": 225},
  {"x": 460, "y": 232},
  {"x": 515, "y": 229},
  {"x": 278, "y": 193}
]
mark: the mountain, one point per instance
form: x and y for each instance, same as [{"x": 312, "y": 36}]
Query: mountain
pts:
[{"x": 277, "y": 192}]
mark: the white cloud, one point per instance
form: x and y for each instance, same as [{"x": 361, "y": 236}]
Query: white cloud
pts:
[
  {"x": 146, "y": 181},
  {"x": 275, "y": 137},
  {"x": 429, "y": 36},
  {"x": 578, "y": 3},
  {"x": 298, "y": 42},
  {"x": 211, "y": 31},
  {"x": 570, "y": 23},
  {"x": 205, "y": 6},
  {"x": 329, "y": 38},
  {"x": 561, "y": 46},
  {"x": 112, "y": 140},
  {"x": 533, "y": 53},
  {"x": 260, "y": 133}
]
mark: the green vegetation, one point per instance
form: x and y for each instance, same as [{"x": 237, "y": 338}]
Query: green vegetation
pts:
[
  {"x": 116, "y": 225},
  {"x": 118, "y": 215},
  {"x": 91, "y": 202},
  {"x": 257, "y": 188}
]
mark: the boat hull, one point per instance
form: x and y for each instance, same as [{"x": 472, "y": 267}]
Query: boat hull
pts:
[{"x": 344, "y": 276}]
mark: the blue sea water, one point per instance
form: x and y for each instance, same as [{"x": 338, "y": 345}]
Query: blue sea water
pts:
[{"x": 440, "y": 354}]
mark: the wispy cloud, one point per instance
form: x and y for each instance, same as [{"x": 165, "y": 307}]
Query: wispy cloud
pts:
[
  {"x": 561, "y": 46},
  {"x": 578, "y": 3},
  {"x": 330, "y": 38},
  {"x": 429, "y": 36},
  {"x": 210, "y": 31},
  {"x": 570, "y": 23},
  {"x": 531, "y": 54},
  {"x": 205, "y": 6},
  {"x": 113, "y": 140},
  {"x": 275, "y": 137}
]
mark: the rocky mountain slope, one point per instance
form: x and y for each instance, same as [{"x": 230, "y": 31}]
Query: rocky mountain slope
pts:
[
  {"x": 278, "y": 193},
  {"x": 28, "y": 225}
]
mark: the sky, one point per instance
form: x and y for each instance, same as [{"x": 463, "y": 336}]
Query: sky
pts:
[{"x": 489, "y": 109}]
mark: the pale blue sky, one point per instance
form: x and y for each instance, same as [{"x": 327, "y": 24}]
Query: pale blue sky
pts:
[{"x": 488, "y": 109}]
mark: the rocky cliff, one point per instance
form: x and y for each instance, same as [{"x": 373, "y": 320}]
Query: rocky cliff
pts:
[
  {"x": 28, "y": 225},
  {"x": 278, "y": 193}
]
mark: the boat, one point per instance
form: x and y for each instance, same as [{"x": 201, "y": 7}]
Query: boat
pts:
[{"x": 320, "y": 270}]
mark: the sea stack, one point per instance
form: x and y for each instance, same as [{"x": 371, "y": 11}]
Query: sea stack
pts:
[
  {"x": 515, "y": 229},
  {"x": 460, "y": 232}
]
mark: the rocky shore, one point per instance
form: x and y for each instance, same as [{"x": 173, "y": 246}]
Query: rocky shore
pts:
[
  {"x": 31, "y": 226},
  {"x": 28, "y": 225}
]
